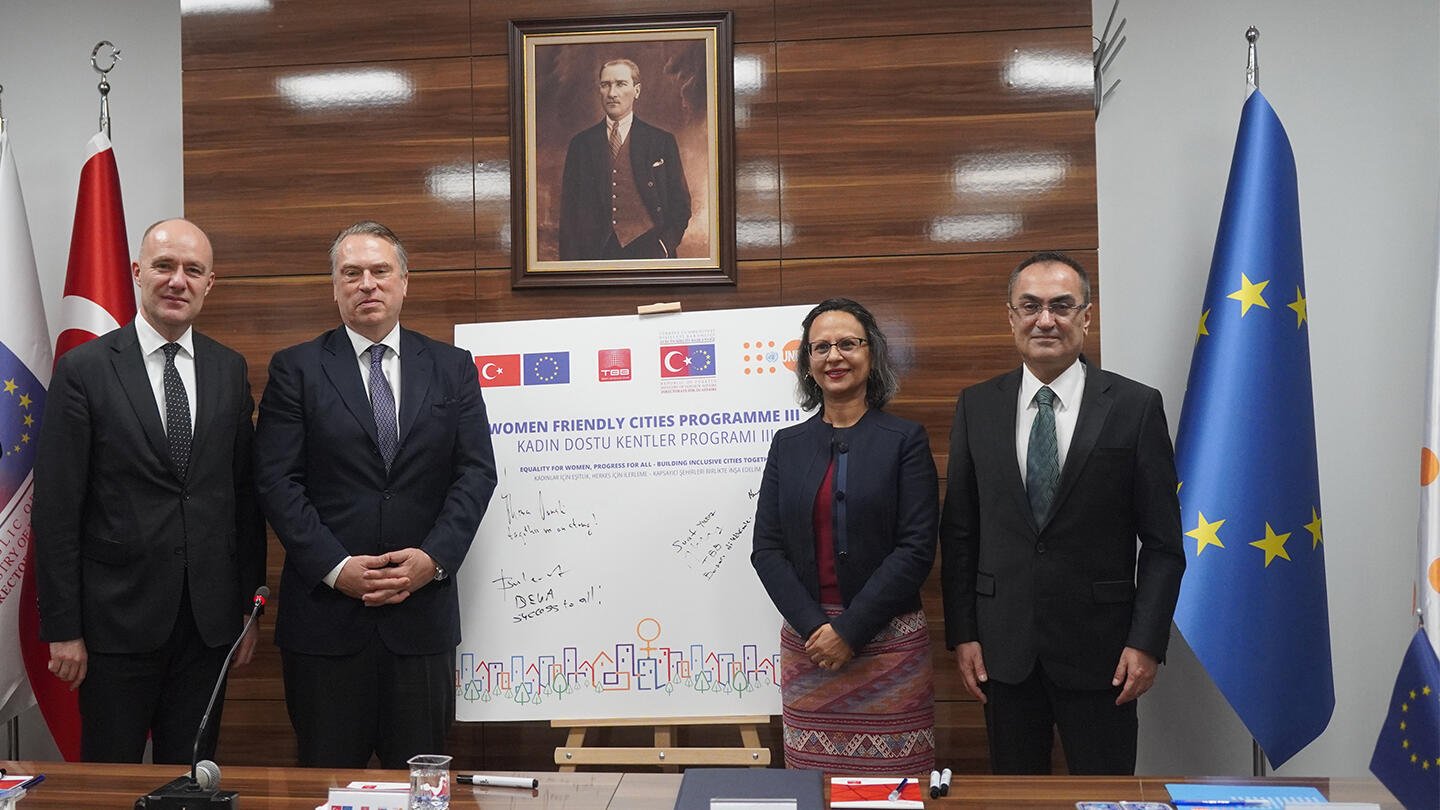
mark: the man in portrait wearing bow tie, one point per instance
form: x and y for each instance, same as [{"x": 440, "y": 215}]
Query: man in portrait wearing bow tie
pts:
[
  {"x": 374, "y": 465},
  {"x": 148, "y": 541},
  {"x": 623, "y": 194},
  {"x": 1059, "y": 471}
]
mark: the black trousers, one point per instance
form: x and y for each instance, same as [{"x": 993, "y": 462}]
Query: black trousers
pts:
[
  {"x": 346, "y": 707},
  {"x": 1020, "y": 720},
  {"x": 162, "y": 694}
]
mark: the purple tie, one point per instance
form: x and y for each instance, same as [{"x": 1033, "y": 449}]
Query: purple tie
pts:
[{"x": 382, "y": 400}]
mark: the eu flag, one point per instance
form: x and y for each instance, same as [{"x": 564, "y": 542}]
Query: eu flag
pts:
[
  {"x": 22, "y": 402},
  {"x": 1407, "y": 755},
  {"x": 546, "y": 368},
  {"x": 1253, "y": 603}
]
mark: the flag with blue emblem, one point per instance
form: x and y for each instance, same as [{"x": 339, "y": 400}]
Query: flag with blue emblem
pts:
[
  {"x": 24, "y": 374},
  {"x": 546, "y": 368},
  {"x": 1253, "y": 604},
  {"x": 1407, "y": 755}
]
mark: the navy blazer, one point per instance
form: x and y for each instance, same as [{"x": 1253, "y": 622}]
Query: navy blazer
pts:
[
  {"x": 118, "y": 533},
  {"x": 891, "y": 507},
  {"x": 1074, "y": 592},
  {"x": 325, "y": 489},
  {"x": 585, "y": 189}
]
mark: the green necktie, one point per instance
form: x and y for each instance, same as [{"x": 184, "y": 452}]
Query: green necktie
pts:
[{"x": 1042, "y": 459}]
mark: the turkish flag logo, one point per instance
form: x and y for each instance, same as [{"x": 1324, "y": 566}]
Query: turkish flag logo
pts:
[
  {"x": 695, "y": 360},
  {"x": 497, "y": 370}
]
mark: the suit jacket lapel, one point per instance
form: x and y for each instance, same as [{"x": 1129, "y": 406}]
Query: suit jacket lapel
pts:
[
  {"x": 600, "y": 155},
  {"x": 416, "y": 371},
  {"x": 1009, "y": 386},
  {"x": 817, "y": 461},
  {"x": 342, "y": 367},
  {"x": 207, "y": 392},
  {"x": 129, "y": 367},
  {"x": 1094, "y": 408}
]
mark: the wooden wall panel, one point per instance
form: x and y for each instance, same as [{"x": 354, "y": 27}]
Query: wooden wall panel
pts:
[
  {"x": 937, "y": 147},
  {"x": 906, "y": 154},
  {"x": 278, "y": 159},
  {"x": 323, "y": 32},
  {"x": 837, "y": 19},
  {"x": 490, "y": 104},
  {"x": 759, "y": 228},
  {"x": 754, "y": 19}
]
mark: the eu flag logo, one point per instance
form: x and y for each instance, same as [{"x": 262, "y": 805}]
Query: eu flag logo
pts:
[
  {"x": 22, "y": 403},
  {"x": 547, "y": 368},
  {"x": 1407, "y": 754}
]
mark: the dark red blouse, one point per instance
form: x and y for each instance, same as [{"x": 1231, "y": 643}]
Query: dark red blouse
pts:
[{"x": 823, "y": 517}]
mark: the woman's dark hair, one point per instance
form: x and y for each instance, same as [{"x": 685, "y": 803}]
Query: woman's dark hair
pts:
[{"x": 882, "y": 384}]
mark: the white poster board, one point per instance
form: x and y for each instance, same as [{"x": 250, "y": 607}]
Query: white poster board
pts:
[{"x": 611, "y": 576}]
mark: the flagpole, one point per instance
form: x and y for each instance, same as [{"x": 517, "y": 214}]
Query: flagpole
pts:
[
  {"x": 1258, "y": 765},
  {"x": 104, "y": 86},
  {"x": 2, "y": 109}
]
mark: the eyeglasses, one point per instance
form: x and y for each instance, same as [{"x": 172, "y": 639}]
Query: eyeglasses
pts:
[
  {"x": 1060, "y": 310},
  {"x": 850, "y": 345}
]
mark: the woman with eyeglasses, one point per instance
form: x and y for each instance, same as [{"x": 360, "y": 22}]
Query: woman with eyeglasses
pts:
[{"x": 845, "y": 533}]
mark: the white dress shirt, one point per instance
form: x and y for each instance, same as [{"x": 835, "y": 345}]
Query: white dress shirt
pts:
[
  {"x": 390, "y": 363},
  {"x": 1069, "y": 387},
  {"x": 623, "y": 125},
  {"x": 152, "y": 346}
]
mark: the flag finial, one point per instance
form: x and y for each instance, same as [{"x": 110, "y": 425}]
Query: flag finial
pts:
[
  {"x": 104, "y": 86},
  {"x": 1252, "y": 64}
]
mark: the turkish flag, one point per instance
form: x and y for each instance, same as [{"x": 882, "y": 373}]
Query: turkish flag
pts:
[
  {"x": 498, "y": 370},
  {"x": 99, "y": 297}
]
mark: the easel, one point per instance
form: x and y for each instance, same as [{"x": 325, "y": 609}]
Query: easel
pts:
[{"x": 664, "y": 753}]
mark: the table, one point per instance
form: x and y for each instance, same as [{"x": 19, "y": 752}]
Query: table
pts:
[{"x": 94, "y": 786}]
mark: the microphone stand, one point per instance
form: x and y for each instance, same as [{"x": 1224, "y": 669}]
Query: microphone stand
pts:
[{"x": 201, "y": 787}]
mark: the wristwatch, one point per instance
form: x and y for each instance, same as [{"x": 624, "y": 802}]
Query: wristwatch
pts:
[{"x": 440, "y": 573}]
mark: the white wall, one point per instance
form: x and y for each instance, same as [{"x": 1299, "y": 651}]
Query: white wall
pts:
[
  {"x": 52, "y": 108},
  {"x": 1357, "y": 86}
]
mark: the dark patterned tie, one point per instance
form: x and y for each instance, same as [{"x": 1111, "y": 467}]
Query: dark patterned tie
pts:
[
  {"x": 1042, "y": 460},
  {"x": 615, "y": 141},
  {"x": 382, "y": 400},
  {"x": 177, "y": 413}
]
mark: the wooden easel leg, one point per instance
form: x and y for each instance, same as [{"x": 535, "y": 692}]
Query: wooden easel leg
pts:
[
  {"x": 665, "y": 741},
  {"x": 575, "y": 739}
]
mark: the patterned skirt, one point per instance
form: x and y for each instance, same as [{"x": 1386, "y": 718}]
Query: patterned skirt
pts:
[{"x": 876, "y": 714}]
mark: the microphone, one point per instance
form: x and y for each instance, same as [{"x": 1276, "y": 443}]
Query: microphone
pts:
[
  {"x": 257, "y": 606},
  {"x": 204, "y": 780}
]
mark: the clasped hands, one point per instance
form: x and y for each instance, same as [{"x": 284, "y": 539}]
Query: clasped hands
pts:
[
  {"x": 827, "y": 649},
  {"x": 385, "y": 579}
]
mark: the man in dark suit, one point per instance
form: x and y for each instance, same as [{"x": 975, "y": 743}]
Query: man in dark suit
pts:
[
  {"x": 148, "y": 540},
  {"x": 623, "y": 195},
  {"x": 374, "y": 464},
  {"x": 1056, "y": 469}
]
